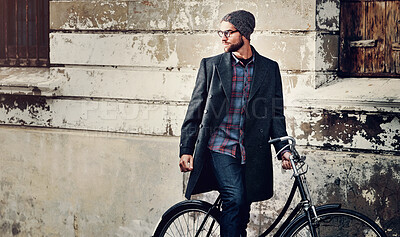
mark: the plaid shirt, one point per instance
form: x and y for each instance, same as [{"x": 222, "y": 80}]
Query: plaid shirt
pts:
[{"x": 230, "y": 132}]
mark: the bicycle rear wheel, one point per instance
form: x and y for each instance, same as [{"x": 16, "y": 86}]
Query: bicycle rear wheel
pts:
[
  {"x": 340, "y": 222},
  {"x": 185, "y": 219}
]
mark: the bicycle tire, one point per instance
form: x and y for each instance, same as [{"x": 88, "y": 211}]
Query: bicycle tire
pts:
[
  {"x": 185, "y": 218},
  {"x": 339, "y": 222}
]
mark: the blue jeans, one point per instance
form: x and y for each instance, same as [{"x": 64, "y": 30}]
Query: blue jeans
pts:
[{"x": 229, "y": 173}]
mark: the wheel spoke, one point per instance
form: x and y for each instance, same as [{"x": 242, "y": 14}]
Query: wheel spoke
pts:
[
  {"x": 339, "y": 223},
  {"x": 187, "y": 225},
  {"x": 188, "y": 222},
  {"x": 180, "y": 224},
  {"x": 177, "y": 229}
]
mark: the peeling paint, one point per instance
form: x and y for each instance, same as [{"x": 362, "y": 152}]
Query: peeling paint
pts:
[
  {"x": 172, "y": 15},
  {"x": 88, "y": 15},
  {"x": 100, "y": 49},
  {"x": 328, "y": 14},
  {"x": 347, "y": 128},
  {"x": 378, "y": 196},
  {"x": 327, "y": 52},
  {"x": 168, "y": 130},
  {"x": 30, "y": 103},
  {"x": 369, "y": 196}
]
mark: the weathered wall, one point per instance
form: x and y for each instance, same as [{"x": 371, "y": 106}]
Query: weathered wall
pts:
[
  {"x": 128, "y": 67},
  {"x": 67, "y": 183}
]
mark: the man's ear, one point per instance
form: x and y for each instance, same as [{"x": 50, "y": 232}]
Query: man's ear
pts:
[{"x": 245, "y": 39}]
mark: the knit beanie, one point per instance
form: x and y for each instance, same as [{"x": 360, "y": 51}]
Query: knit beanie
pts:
[{"x": 243, "y": 21}]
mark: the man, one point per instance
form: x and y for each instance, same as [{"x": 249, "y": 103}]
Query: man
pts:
[{"x": 236, "y": 107}]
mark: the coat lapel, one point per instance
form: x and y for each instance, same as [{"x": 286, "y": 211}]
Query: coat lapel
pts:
[
  {"x": 260, "y": 73},
  {"x": 224, "y": 70}
]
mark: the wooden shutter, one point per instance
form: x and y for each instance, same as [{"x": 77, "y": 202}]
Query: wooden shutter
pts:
[
  {"x": 369, "y": 38},
  {"x": 24, "y": 32}
]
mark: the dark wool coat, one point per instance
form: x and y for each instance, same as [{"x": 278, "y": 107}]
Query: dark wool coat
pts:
[{"x": 264, "y": 120}]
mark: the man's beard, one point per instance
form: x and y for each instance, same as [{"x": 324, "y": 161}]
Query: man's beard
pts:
[{"x": 235, "y": 47}]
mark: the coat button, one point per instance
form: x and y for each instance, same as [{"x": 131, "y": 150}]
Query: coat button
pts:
[
  {"x": 260, "y": 146},
  {"x": 201, "y": 125},
  {"x": 210, "y": 96},
  {"x": 261, "y": 130},
  {"x": 205, "y": 111}
]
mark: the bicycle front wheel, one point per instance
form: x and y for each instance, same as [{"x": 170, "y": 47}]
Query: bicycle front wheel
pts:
[
  {"x": 340, "y": 222},
  {"x": 187, "y": 219}
]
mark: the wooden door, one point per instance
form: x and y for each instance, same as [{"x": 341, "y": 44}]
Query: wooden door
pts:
[{"x": 369, "y": 38}]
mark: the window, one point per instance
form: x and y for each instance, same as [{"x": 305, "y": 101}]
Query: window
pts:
[
  {"x": 24, "y": 32},
  {"x": 369, "y": 38}
]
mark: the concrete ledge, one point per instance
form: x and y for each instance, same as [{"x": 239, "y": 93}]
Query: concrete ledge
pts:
[
  {"x": 357, "y": 94},
  {"x": 334, "y": 129},
  {"x": 26, "y": 81},
  {"x": 98, "y": 115}
]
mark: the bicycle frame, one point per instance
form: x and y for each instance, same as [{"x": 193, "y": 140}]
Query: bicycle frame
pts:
[
  {"x": 304, "y": 218},
  {"x": 300, "y": 182},
  {"x": 296, "y": 211},
  {"x": 305, "y": 204}
]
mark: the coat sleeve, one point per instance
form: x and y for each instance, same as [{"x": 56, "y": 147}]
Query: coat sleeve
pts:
[
  {"x": 194, "y": 114},
  {"x": 278, "y": 117}
]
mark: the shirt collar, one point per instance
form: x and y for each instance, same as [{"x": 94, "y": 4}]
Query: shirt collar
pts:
[{"x": 238, "y": 61}]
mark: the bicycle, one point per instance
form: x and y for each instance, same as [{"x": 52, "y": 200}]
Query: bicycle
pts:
[{"x": 199, "y": 218}]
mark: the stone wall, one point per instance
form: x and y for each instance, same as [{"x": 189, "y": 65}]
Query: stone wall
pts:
[{"x": 90, "y": 144}]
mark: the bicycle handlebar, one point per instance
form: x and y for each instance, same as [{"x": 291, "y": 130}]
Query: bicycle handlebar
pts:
[
  {"x": 292, "y": 147},
  {"x": 285, "y": 138}
]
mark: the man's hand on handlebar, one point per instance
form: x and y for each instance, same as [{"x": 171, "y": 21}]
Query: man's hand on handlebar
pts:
[
  {"x": 186, "y": 163},
  {"x": 286, "y": 161}
]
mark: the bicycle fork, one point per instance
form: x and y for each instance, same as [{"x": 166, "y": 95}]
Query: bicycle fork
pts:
[
  {"x": 308, "y": 207},
  {"x": 313, "y": 219}
]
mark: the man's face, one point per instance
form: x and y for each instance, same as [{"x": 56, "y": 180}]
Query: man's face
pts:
[{"x": 235, "y": 41}]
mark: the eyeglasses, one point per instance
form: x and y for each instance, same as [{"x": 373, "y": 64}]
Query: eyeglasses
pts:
[{"x": 226, "y": 33}]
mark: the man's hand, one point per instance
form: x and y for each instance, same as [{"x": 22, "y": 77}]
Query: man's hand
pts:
[
  {"x": 186, "y": 163},
  {"x": 286, "y": 161}
]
